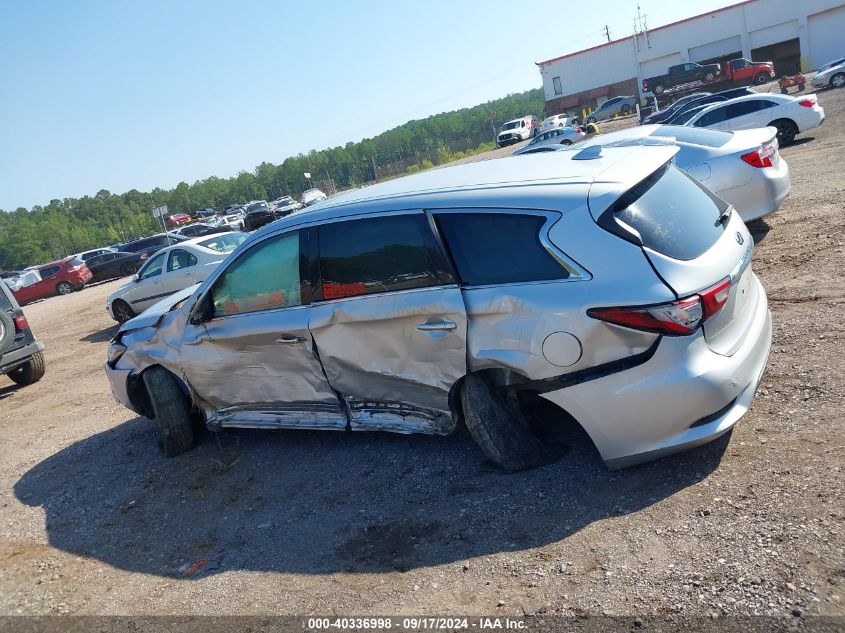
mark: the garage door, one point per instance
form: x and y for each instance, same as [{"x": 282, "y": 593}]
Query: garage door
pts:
[
  {"x": 726, "y": 46},
  {"x": 773, "y": 34},
  {"x": 660, "y": 65},
  {"x": 826, "y": 41}
]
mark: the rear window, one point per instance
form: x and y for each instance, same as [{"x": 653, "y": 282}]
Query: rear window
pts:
[
  {"x": 673, "y": 214},
  {"x": 225, "y": 243},
  {"x": 360, "y": 257},
  {"x": 498, "y": 248},
  {"x": 707, "y": 138}
]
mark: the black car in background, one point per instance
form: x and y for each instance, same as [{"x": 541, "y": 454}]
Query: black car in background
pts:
[
  {"x": 199, "y": 229},
  {"x": 150, "y": 245},
  {"x": 257, "y": 215},
  {"x": 21, "y": 354},
  {"x": 112, "y": 265},
  {"x": 732, "y": 93}
]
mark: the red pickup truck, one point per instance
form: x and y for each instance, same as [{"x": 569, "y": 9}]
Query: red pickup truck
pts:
[{"x": 745, "y": 71}]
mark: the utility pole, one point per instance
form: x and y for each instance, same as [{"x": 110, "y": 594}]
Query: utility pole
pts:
[{"x": 607, "y": 32}]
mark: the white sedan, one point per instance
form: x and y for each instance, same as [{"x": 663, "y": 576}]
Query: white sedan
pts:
[
  {"x": 789, "y": 115},
  {"x": 171, "y": 269},
  {"x": 552, "y": 139}
]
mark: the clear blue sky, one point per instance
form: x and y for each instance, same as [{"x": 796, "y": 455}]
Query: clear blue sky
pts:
[{"x": 121, "y": 95}]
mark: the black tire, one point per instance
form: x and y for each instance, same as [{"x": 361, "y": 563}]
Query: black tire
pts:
[
  {"x": 709, "y": 77},
  {"x": 499, "y": 429},
  {"x": 591, "y": 119},
  {"x": 64, "y": 288},
  {"x": 659, "y": 89},
  {"x": 626, "y": 110},
  {"x": 121, "y": 310},
  {"x": 172, "y": 411},
  {"x": 786, "y": 131},
  {"x": 7, "y": 330},
  {"x": 566, "y": 141},
  {"x": 760, "y": 79},
  {"x": 838, "y": 80},
  {"x": 128, "y": 268},
  {"x": 31, "y": 371},
  {"x": 801, "y": 87},
  {"x": 784, "y": 91}
]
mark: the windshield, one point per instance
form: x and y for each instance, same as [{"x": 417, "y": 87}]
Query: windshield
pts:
[
  {"x": 225, "y": 243},
  {"x": 512, "y": 125},
  {"x": 257, "y": 206}
]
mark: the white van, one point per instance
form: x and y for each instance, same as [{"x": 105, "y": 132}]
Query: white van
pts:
[{"x": 518, "y": 130}]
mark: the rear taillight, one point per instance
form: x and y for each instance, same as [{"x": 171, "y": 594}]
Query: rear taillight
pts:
[
  {"x": 761, "y": 157},
  {"x": 21, "y": 323},
  {"x": 807, "y": 103},
  {"x": 678, "y": 318}
]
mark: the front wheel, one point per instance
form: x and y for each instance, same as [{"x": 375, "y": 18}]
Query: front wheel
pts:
[
  {"x": 566, "y": 141},
  {"x": 838, "y": 80},
  {"x": 659, "y": 89},
  {"x": 121, "y": 310},
  {"x": 591, "y": 119},
  {"x": 626, "y": 109},
  {"x": 64, "y": 288},
  {"x": 709, "y": 77},
  {"x": 31, "y": 371},
  {"x": 760, "y": 79},
  {"x": 172, "y": 411},
  {"x": 786, "y": 131},
  {"x": 128, "y": 269}
]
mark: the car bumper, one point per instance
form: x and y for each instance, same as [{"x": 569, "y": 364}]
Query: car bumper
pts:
[
  {"x": 819, "y": 82},
  {"x": 684, "y": 396},
  {"x": 15, "y": 358},
  {"x": 761, "y": 195},
  {"x": 119, "y": 381}
]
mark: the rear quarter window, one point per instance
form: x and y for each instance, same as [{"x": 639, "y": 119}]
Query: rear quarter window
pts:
[
  {"x": 498, "y": 248},
  {"x": 671, "y": 212}
]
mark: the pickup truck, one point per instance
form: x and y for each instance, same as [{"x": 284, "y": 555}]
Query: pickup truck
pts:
[
  {"x": 681, "y": 74},
  {"x": 745, "y": 71}
]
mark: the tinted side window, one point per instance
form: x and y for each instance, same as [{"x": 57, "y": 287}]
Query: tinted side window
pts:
[
  {"x": 153, "y": 268},
  {"x": 360, "y": 257},
  {"x": 49, "y": 271},
  {"x": 497, "y": 248},
  {"x": 714, "y": 116},
  {"x": 180, "y": 259},
  {"x": 742, "y": 108},
  {"x": 265, "y": 277},
  {"x": 96, "y": 260}
]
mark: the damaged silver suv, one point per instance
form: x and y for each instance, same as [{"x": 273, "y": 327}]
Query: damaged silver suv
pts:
[{"x": 606, "y": 282}]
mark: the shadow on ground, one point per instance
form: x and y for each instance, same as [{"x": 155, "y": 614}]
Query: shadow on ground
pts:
[
  {"x": 759, "y": 229},
  {"x": 318, "y": 502},
  {"x": 101, "y": 336}
]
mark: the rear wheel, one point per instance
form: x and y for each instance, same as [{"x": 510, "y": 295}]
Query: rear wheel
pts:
[
  {"x": 31, "y": 371},
  {"x": 566, "y": 141},
  {"x": 838, "y": 80},
  {"x": 64, "y": 288},
  {"x": 760, "y": 79},
  {"x": 626, "y": 109},
  {"x": 122, "y": 311},
  {"x": 801, "y": 87},
  {"x": 658, "y": 89},
  {"x": 172, "y": 411},
  {"x": 499, "y": 428},
  {"x": 709, "y": 77},
  {"x": 591, "y": 119},
  {"x": 786, "y": 131},
  {"x": 784, "y": 91},
  {"x": 129, "y": 269}
]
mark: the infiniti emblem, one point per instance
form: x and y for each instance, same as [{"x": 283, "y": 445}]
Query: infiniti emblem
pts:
[{"x": 739, "y": 239}]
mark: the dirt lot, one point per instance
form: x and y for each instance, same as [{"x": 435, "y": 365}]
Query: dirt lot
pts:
[{"x": 93, "y": 520}]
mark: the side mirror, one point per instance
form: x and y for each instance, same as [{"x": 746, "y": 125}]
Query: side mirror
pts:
[
  {"x": 202, "y": 311},
  {"x": 135, "y": 277}
]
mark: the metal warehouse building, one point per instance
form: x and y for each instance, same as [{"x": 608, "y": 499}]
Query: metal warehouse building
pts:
[{"x": 794, "y": 34}]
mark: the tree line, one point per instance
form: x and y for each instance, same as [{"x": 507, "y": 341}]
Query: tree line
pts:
[{"x": 52, "y": 231}]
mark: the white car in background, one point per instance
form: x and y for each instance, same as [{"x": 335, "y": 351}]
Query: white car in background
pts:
[
  {"x": 744, "y": 168},
  {"x": 285, "y": 206},
  {"x": 833, "y": 76},
  {"x": 552, "y": 139},
  {"x": 311, "y": 196},
  {"x": 558, "y": 120},
  {"x": 169, "y": 270},
  {"x": 789, "y": 115},
  {"x": 234, "y": 221}
]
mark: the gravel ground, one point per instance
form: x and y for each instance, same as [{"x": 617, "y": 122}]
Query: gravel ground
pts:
[{"x": 94, "y": 521}]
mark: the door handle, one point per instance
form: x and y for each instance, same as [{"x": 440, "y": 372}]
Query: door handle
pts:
[
  {"x": 441, "y": 324},
  {"x": 290, "y": 339}
]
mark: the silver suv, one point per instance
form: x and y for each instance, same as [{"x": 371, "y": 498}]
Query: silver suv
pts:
[{"x": 606, "y": 282}]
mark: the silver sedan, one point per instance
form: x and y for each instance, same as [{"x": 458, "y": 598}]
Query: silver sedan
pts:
[
  {"x": 552, "y": 140},
  {"x": 744, "y": 168}
]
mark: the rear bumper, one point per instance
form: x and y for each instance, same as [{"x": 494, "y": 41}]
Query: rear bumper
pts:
[
  {"x": 17, "y": 357},
  {"x": 761, "y": 195},
  {"x": 685, "y": 396}
]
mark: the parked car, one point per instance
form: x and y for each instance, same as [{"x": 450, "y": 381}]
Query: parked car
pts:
[
  {"x": 617, "y": 105},
  {"x": 178, "y": 219},
  {"x": 682, "y": 74},
  {"x": 149, "y": 245},
  {"x": 86, "y": 255},
  {"x": 831, "y": 64},
  {"x": 112, "y": 265},
  {"x": 662, "y": 115},
  {"x": 285, "y": 206},
  {"x": 257, "y": 215},
  {"x": 517, "y": 130},
  {"x": 206, "y": 213},
  {"x": 173, "y": 268},
  {"x": 744, "y": 168},
  {"x": 558, "y": 120},
  {"x": 56, "y": 278},
  {"x": 638, "y": 314},
  {"x": 551, "y": 139},
  {"x": 232, "y": 222},
  {"x": 21, "y": 354},
  {"x": 833, "y": 77},
  {"x": 790, "y": 115},
  {"x": 745, "y": 71},
  {"x": 199, "y": 229},
  {"x": 312, "y": 196},
  {"x": 724, "y": 95}
]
